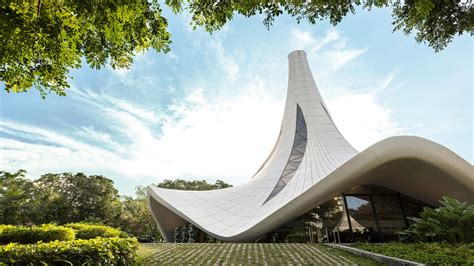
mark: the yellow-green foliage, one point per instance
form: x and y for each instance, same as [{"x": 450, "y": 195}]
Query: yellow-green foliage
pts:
[
  {"x": 89, "y": 231},
  {"x": 98, "y": 251},
  {"x": 33, "y": 234}
]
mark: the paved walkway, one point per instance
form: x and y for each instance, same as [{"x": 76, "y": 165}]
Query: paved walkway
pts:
[{"x": 236, "y": 254}]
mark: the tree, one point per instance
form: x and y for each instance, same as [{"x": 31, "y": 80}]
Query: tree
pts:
[
  {"x": 177, "y": 235},
  {"x": 15, "y": 197},
  {"x": 221, "y": 184},
  {"x": 135, "y": 217},
  {"x": 435, "y": 22},
  {"x": 65, "y": 198},
  {"x": 192, "y": 233},
  {"x": 42, "y": 40},
  {"x": 184, "y": 233}
]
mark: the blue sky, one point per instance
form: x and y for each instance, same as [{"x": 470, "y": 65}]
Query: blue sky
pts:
[{"x": 212, "y": 107}]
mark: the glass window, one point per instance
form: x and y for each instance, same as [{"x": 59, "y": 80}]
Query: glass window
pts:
[
  {"x": 412, "y": 207},
  {"x": 328, "y": 222},
  {"x": 361, "y": 213},
  {"x": 325, "y": 222},
  {"x": 329, "y": 212},
  {"x": 389, "y": 213},
  {"x": 296, "y": 156}
]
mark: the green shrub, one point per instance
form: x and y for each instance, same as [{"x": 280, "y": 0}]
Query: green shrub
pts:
[
  {"x": 427, "y": 253},
  {"x": 97, "y": 251},
  {"x": 31, "y": 235},
  {"x": 453, "y": 223},
  {"x": 89, "y": 231}
]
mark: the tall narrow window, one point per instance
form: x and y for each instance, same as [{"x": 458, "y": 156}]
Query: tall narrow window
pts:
[{"x": 296, "y": 156}]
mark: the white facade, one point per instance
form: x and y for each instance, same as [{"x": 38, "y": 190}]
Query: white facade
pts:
[{"x": 310, "y": 163}]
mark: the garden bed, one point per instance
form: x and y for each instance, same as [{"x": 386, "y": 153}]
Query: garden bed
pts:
[{"x": 427, "y": 253}]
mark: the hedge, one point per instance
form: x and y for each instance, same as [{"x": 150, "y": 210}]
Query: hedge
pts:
[
  {"x": 98, "y": 251},
  {"x": 34, "y": 234},
  {"x": 427, "y": 253},
  {"x": 89, "y": 231}
]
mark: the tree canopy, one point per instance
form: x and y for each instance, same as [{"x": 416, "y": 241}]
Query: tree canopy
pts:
[
  {"x": 434, "y": 22},
  {"x": 42, "y": 40},
  {"x": 68, "y": 197}
]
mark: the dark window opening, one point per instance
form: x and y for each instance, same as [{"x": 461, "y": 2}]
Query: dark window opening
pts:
[
  {"x": 374, "y": 214},
  {"x": 296, "y": 155}
]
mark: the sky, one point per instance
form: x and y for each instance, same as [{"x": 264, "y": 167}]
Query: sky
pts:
[{"x": 212, "y": 107}]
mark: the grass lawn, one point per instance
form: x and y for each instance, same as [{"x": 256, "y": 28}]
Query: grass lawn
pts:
[
  {"x": 427, "y": 253},
  {"x": 229, "y": 253}
]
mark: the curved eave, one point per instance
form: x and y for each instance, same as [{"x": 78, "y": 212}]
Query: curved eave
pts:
[
  {"x": 457, "y": 181},
  {"x": 406, "y": 154}
]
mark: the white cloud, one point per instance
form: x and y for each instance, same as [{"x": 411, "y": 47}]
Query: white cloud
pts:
[
  {"x": 103, "y": 101},
  {"x": 173, "y": 55},
  {"x": 39, "y": 133},
  {"x": 339, "y": 58},
  {"x": 304, "y": 40},
  {"x": 130, "y": 108},
  {"x": 121, "y": 73},
  {"x": 228, "y": 64},
  {"x": 331, "y": 48},
  {"x": 385, "y": 83},
  {"x": 49, "y": 151},
  {"x": 202, "y": 137},
  {"x": 209, "y": 132},
  {"x": 361, "y": 119}
]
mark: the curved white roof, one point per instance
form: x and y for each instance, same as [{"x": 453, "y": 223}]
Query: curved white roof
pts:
[{"x": 310, "y": 154}]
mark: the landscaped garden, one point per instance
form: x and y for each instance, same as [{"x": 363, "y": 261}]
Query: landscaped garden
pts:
[
  {"x": 245, "y": 253},
  {"x": 442, "y": 235}
]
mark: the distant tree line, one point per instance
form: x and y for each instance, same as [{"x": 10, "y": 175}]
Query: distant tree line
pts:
[
  {"x": 66, "y": 198},
  {"x": 181, "y": 184}
]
